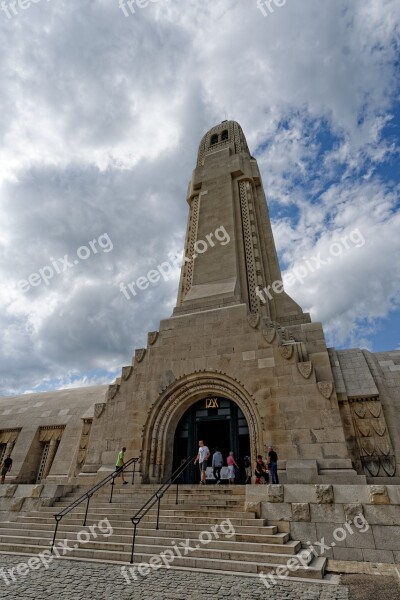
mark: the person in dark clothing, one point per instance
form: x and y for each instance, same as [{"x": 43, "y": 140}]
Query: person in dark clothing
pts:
[
  {"x": 6, "y": 467},
  {"x": 217, "y": 463},
  {"x": 273, "y": 464},
  {"x": 247, "y": 468},
  {"x": 260, "y": 471}
]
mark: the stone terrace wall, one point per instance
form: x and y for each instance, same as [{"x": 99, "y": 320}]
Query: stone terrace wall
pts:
[{"x": 312, "y": 512}]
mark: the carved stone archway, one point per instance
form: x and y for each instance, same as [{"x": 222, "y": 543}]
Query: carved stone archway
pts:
[{"x": 173, "y": 402}]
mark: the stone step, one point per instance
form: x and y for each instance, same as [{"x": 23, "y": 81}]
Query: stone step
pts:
[
  {"x": 165, "y": 510},
  {"x": 315, "y": 570},
  {"x": 207, "y": 519},
  {"x": 127, "y": 500},
  {"x": 145, "y": 547},
  {"x": 197, "y": 490},
  {"x": 151, "y": 488},
  {"x": 159, "y": 537},
  {"x": 245, "y": 533},
  {"x": 266, "y": 534},
  {"x": 125, "y": 494}
]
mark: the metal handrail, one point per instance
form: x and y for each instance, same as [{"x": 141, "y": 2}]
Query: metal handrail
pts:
[
  {"x": 156, "y": 497},
  {"x": 87, "y": 495}
]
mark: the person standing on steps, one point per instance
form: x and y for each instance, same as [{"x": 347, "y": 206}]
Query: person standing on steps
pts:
[
  {"x": 120, "y": 465},
  {"x": 260, "y": 471},
  {"x": 6, "y": 467},
  {"x": 247, "y": 468},
  {"x": 272, "y": 463},
  {"x": 217, "y": 463},
  {"x": 230, "y": 461},
  {"x": 202, "y": 457}
]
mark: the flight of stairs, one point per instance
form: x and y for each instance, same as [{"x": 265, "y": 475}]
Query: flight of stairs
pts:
[{"x": 255, "y": 548}]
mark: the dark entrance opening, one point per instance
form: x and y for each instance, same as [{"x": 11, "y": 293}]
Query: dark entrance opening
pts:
[{"x": 219, "y": 422}]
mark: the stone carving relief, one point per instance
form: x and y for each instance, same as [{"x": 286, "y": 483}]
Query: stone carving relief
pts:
[
  {"x": 193, "y": 226},
  {"x": 325, "y": 388},
  {"x": 152, "y": 337},
  {"x": 305, "y": 369},
  {"x": 99, "y": 409},
  {"x": 253, "y": 319},
  {"x": 271, "y": 329},
  {"x": 373, "y": 440},
  {"x": 126, "y": 372},
  {"x": 268, "y": 330},
  {"x": 286, "y": 351},
  {"x": 139, "y": 354},
  {"x": 245, "y": 194},
  {"x": 112, "y": 391},
  {"x": 83, "y": 444}
]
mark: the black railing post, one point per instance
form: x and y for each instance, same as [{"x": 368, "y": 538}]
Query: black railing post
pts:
[
  {"x": 87, "y": 496},
  {"x": 112, "y": 489},
  {"x": 158, "y": 511},
  {"x": 134, "y": 539},
  {"x": 87, "y": 508},
  {"x": 133, "y": 472},
  {"x": 58, "y": 519},
  {"x": 177, "y": 491}
]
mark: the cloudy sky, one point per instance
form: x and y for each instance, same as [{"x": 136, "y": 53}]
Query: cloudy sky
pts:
[{"x": 101, "y": 113}]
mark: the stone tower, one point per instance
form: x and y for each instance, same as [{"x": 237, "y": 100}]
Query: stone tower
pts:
[
  {"x": 226, "y": 190},
  {"x": 225, "y": 365}
]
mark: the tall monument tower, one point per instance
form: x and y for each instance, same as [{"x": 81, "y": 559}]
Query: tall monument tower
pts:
[
  {"x": 226, "y": 367},
  {"x": 226, "y": 190}
]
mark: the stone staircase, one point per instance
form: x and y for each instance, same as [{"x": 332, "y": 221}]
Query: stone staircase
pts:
[{"x": 254, "y": 548}]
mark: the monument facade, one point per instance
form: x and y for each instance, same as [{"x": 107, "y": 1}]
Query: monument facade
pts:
[{"x": 227, "y": 367}]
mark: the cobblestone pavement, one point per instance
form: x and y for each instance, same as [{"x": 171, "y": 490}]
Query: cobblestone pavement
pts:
[
  {"x": 75, "y": 580},
  {"x": 372, "y": 586}
]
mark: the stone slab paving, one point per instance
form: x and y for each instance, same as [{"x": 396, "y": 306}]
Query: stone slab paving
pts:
[{"x": 76, "y": 580}]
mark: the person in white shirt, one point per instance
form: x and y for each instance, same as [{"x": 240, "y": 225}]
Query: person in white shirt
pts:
[{"x": 202, "y": 458}]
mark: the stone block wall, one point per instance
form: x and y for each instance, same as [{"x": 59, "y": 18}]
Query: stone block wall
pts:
[
  {"x": 312, "y": 513},
  {"x": 23, "y": 498}
]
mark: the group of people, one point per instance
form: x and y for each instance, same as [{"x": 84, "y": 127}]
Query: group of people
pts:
[
  {"x": 263, "y": 470},
  {"x": 268, "y": 469},
  {"x": 217, "y": 463}
]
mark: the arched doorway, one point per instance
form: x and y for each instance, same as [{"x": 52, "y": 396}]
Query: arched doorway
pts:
[
  {"x": 219, "y": 422},
  {"x": 172, "y": 404}
]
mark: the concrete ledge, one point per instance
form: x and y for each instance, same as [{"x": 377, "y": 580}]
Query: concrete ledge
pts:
[{"x": 364, "y": 568}]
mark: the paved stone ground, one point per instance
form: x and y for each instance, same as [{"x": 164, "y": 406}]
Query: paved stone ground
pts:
[
  {"x": 74, "y": 580},
  {"x": 372, "y": 586}
]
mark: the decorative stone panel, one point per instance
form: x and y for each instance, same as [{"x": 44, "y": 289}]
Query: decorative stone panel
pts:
[
  {"x": 152, "y": 337},
  {"x": 378, "y": 494},
  {"x": 325, "y": 388},
  {"x": 372, "y": 436},
  {"x": 275, "y": 493},
  {"x": 126, "y": 372},
  {"x": 352, "y": 511},
  {"x": 301, "y": 512},
  {"x": 139, "y": 354},
  {"x": 324, "y": 494},
  {"x": 305, "y": 369}
]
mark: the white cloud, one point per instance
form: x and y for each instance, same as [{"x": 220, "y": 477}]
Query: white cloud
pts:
[{"x": 100, "y": 120}]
